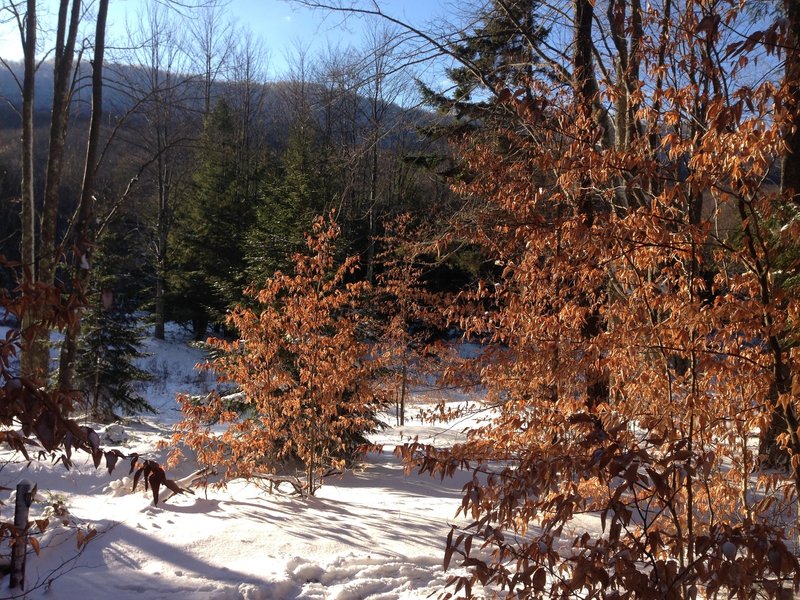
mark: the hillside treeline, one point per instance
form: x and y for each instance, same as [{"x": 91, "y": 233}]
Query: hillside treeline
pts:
[{"x": 208, "y": 173}]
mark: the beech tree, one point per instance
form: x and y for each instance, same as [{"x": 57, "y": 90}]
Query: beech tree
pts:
[
  {"x": 648, "y": 333},
  {"x": 640, "y": 255},
  {"x": 305, "y": 371},
  {"x": 407, "y": 312}
]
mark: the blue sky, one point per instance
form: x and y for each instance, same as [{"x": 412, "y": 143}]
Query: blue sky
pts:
[{"x": 280, "y": 25}]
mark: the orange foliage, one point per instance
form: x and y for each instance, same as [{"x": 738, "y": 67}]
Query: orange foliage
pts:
[
  {"x": 648, "y": 330},
  {"x": 306, "y": 371}
]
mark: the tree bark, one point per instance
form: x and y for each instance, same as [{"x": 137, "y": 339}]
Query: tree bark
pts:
[
  {"x": 162, "y": 234},
  {"x": 584, "y": 79},
  {"x": 62, "y": 71},
  {"x": 35, "y": 362},
  {"x": 790, "y": 163},
  {"x": 19, "y": 549},
  {"x": 32, "y": 338},
  {"x": 616, "y": 14},
  {"x": 586, "y": 99},
  {"x": 85, "y": 230}
]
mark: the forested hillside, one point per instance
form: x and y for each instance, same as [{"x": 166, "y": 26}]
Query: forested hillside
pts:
[
  {"x": 586, "y": 229},
  {"x": 215, "y": 187}
]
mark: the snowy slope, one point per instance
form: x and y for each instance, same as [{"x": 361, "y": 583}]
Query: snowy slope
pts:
[{"x": 370, "y": 534}]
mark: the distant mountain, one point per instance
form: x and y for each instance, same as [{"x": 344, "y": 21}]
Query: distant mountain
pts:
[{"x": 126, "y": 86}]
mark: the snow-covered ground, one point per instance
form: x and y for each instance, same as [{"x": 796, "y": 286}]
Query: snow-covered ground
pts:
[{"x": 373, "y": 533}]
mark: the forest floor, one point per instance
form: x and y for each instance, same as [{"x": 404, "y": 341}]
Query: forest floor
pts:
[{"x": 373, "y": 533}]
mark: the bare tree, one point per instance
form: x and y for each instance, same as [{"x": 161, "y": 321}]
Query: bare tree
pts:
[
  {"x": 360, "y": 101},
  {"x": 382, "y": 89},
  {"x": 167, "y": 96},
  {"x": 338, "y": 109},
  {"x": 40, "y": 256},
  {"x": 212, "y": 40},
  {"x": 246, "y": 94},
  {"x": 84, "y": 226},
  {"x": 27, "y": 29},
  {"x": 63, "y": 80}
]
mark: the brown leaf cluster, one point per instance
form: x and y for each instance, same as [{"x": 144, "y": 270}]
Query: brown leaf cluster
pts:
[
  {"x": 306, "y": 371},
  {"x": 647, "y": 314}
]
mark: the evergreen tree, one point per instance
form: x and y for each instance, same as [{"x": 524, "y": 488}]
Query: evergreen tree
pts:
[
  {"x": 497, "y": 54},
  {"x": 111, "y": 331},
  {"x": 208, "y": 273},
  {"x": 497, "y": 61},
  {"x": 288, "y": 204}
]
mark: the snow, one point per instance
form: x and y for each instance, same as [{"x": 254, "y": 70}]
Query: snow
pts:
[
  {"x": 360, "y": 539},
  {"x": 372, "y": 533}
]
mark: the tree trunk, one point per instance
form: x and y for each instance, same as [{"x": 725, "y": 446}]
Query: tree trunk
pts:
[
  {"x": 584, "y": 79},
  {"x": 586, "y": 93},
  {"x": 62, "y": 71},
  {"x": 790, "y": 163},
  {"x": 161, "y": 259},
  {"x": 616, "y": 14},
  {"x": 19, "y": 549},
  {"x": 34, "y": 341},
  {"x": 401, "y": 406},
  {"x": 85, "y": 230}
]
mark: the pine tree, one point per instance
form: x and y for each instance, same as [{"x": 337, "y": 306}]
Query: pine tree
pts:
[
  {"x": 111, "y": 330},
  {"x": 498, "y": 54},
  {"x": 288, "y": 204},
  {"x": 208, "y": 273}
]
